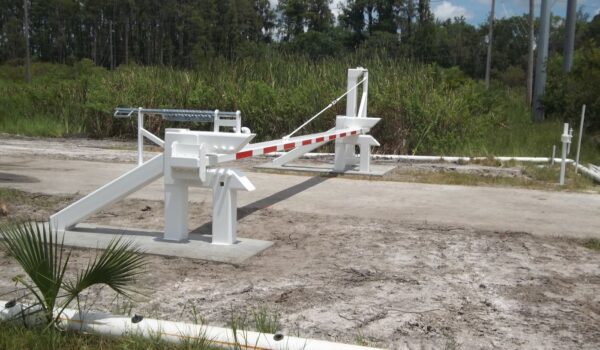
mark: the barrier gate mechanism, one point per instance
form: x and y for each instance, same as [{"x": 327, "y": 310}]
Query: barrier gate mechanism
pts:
[{"x": 191, "y": 158}]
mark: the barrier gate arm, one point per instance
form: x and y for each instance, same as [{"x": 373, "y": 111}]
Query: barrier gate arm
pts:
[{"x": 262, "y": 148}]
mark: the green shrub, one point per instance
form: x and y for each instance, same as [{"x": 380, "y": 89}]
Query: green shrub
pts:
[
  {"x": 425, "y": 109},
  {"x": 566, "y": 93}
]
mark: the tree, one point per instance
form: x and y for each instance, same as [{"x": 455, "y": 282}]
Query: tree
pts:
[
  {"x": 293, "y": 17},
  {"x": 318, "y": 15},
  {"x": 266, "y": 18},
  {"x": 424, "y": 42}
]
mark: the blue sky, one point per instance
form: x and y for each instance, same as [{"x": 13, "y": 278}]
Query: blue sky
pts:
[{"x": 476, "y": 11}]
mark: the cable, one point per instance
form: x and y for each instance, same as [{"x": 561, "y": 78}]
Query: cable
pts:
[{"x": 324, "y": 109}]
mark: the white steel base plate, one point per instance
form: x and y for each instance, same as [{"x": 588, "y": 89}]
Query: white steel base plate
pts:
[{"x": 197, "y": 247}]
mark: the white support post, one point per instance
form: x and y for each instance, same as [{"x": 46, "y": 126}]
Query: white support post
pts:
[
  {"x": 140, "y": 140},
  {"x": 225, "y": 184},
  {"x": 176, "y": 212},
  {"x": 351, "y": 98},
  {"x": 580, "y": 136},
  {"x": 569, "y": 144},
  {"x": 362, "y": 109},
  {"x": 341, "y": 155},
  {"x": 185, "y": 165},
  {"x": 365, "y": 157},
  {"x": 216, "y": 124},
  {"x": 224, "y": 217},
  {"x": 344, "y": 149},
  {"x": 566, "y": 140},
  {"x": 365, "y": 142}
]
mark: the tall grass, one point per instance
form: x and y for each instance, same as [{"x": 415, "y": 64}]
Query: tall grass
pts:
[
  {"x": 425, "y": 109},
  {"x": 17, "y": 337}
]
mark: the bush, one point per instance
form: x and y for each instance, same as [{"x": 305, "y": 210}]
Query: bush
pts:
[
  {"x": 424, "y": 108},
  {"x": 566, "y": 93}
]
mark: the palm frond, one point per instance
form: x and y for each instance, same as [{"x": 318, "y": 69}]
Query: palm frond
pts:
[
  {"x": 37, "y": 250},
  {"x": 117, "y": 266},
  {"x": 33, "y": 246}
]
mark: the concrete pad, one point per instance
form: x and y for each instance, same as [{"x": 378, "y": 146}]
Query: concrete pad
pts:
[
  {"x": 197, "y": 247},
  {"x": 377, "y": 170}
]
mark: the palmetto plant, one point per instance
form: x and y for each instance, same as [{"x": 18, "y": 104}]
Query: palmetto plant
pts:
[{"x": 45, "y": 260}]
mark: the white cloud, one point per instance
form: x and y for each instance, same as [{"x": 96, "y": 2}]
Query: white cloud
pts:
[{"x": 446, "y": 10}]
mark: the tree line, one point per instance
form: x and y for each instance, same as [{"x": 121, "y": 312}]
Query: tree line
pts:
[{"x": 185, "y": 33}]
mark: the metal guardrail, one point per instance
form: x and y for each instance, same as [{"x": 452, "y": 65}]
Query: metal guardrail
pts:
[{"x": 179, "y": 115}]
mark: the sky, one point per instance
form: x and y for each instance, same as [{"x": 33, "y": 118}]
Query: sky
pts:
[{"x": 477, "y": 11}]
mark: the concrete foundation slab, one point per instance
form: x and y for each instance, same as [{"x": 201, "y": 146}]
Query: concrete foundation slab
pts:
[
  {"x": 377, "y": 170},
  {"x": 197, "y": 247}
]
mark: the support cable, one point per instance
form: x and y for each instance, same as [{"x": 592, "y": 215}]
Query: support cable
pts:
[{"x": 324, "y": 109}]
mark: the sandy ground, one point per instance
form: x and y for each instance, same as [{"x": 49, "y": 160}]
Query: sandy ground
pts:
[{"x": 390, "y": 281}]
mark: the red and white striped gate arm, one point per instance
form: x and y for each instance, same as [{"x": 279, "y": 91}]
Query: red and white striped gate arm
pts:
[{"x": 261, "y": 148}]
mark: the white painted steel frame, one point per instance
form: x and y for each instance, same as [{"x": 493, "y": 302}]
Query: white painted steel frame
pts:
[{"x": 188, "y": 153}]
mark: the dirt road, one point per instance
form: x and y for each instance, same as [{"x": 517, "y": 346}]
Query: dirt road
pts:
[
  {"x": 398, "y": 265},
  {"x": 65, "y": 168}
]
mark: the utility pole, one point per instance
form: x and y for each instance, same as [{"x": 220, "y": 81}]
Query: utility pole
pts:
[
  {"x": 127, "y": 40},
  {"x": 530, "y": 54},
  {"x": 569, "y": 35},
  {"x": 488, "y": 65},
  {"x": 540, "y": 65},
  {"x": 110, "y": 43},
  {"x": 26, "y": 33}
]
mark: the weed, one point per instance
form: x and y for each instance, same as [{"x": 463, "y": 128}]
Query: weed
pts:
[
  {"x": 266, "y": 321},
  {"x": 15, "y": 337},
  {"x": 593, "y": 244},
  {"x": 361, "y": 339}
]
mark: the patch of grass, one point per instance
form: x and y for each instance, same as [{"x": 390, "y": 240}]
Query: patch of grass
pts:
[
  {"x": 361, "y": 340},
  {"x": 266, "y": 321},
  {"x": 15, "y": 337},
  {"x": 23, "y": 205},
  {"x": 488, "y": 161},
  {"x": 17, "y": 197},
  {"x": 593, "y": 244},
  {"x": 536, "y": 177},
  {"x": 36, "y": 125}
]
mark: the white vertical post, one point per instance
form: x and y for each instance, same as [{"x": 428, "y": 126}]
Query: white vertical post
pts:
[
  {"x": 580, "y": 136},
  {"x": 569, "y": 145},
  {"x": 224, "y": 217},
  {"x": 553, "y": 154},
  {"x": 566, "y": 139},
  {"x": 216, "y": 123},
  {"x": 238, "y": 121},
  {"x": 365, "y": 89},
  {"x": 344, "y": 152},
  {"x": 365, "y": 157},
  {"x": 176, "y": 211},
  {"x": 352, "y": 95},
  {"x": 140, "y": 140}
]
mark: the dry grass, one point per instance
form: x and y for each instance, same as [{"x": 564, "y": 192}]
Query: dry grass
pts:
[
  {"x": 593, "y": 244},
  {"x": 535, "y": 177}
]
